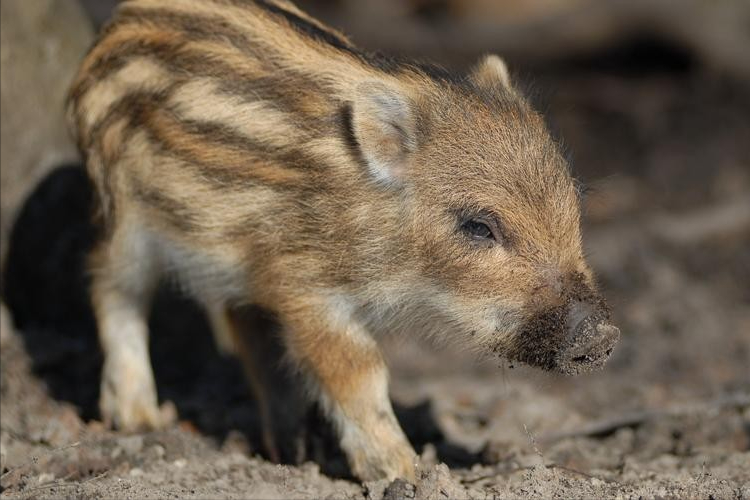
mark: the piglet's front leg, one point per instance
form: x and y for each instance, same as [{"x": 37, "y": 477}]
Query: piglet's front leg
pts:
[{"x": 345, "y": 368}]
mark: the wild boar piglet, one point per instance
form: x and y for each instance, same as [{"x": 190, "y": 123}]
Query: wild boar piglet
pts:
[{"x": 258, "y": 157}]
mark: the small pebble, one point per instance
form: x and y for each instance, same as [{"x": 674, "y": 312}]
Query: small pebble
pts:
[{"x": 45, "y": 477}]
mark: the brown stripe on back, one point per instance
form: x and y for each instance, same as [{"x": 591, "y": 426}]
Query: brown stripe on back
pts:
[
  {"x": 139, "y": 110},
  {"x": 304, "y": 24},
  {"x": 235, "y": 72},
  {"x": 176, "y": 213},
  {"x": 297, "y": 18},
  {"x": 109, "y": 131},
  {"x": 291, "y": 92},
  {"x": 194, "y": 27},
  {"x": 136, "y": 105},
  {"x": 215, "y": 133},
  {"x": 117, "y": 38},
  {"x": 111, "y": 142},
  {"x": 125, "y": 108},
  {"x": 315, "y": 30},
  {"x": 215, "y": 151},
  {"x": 115, "y": 50},
  {"x": 167, "y": 35}
]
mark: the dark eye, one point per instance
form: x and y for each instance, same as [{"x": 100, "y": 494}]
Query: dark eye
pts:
[{"x": 478, "y": 230}]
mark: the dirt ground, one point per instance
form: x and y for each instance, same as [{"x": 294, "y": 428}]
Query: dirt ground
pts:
[{"x": 666, "y": 155}]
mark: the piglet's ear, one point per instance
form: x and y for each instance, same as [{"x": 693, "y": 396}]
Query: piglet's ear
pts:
[
  {"x": 490, "y": 72},
  {"x": 384, "y": 126}
]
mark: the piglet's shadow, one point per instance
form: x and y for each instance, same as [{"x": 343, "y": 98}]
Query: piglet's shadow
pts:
[{"x": 45, "y": 286}]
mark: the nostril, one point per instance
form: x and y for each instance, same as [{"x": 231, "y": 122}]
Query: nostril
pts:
[{"x": 582, "y": 359}]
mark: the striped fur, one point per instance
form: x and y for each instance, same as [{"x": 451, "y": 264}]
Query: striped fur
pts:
[{"x": 259, "y": 157}]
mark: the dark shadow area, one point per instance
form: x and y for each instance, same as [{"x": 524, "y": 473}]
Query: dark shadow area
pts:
[
  {"x": 639, "y": 55},
  {"x": 46, "y": 288},
  {"x": 421, "y": 428}
]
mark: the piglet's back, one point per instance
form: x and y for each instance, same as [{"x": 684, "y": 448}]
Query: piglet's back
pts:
[
  {"x": 226, "y": 64},
  {"x": 180, "y": 99},
  {"x": 177, "y": 90}
]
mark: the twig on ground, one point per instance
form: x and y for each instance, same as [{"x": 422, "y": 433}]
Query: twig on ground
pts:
[{"x": 608, "y": 426}]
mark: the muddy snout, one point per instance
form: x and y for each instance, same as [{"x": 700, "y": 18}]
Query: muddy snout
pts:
[{"x": 591, "y": 339}]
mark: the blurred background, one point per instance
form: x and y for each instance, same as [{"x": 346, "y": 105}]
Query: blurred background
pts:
[{"x": 651, "y": 101}]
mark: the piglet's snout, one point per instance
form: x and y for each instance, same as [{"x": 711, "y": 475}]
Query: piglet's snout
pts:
[{"x": 591, "y": 339}]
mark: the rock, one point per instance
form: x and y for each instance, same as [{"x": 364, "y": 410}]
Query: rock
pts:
[
  {"x": 45, "y": 477},
  {"x": 135, "y": 472},
  {"x": 399, "y": 489},
  {"x": 41, "y": 46}
]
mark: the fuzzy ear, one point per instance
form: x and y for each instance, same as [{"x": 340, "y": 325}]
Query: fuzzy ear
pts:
[
  {"x": 384, "y": 126},
  {"x": 490, "y": 72}
]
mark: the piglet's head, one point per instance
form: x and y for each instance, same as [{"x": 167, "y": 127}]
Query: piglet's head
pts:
[{"x": 490, "y": 228}]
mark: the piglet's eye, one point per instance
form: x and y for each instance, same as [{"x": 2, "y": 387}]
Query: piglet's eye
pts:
[{"x": 478, "y": 230}]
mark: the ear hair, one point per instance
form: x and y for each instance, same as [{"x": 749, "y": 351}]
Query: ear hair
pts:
[
  {"x": 490, "y": 72},
  {"x": 384, "y": 126}
]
